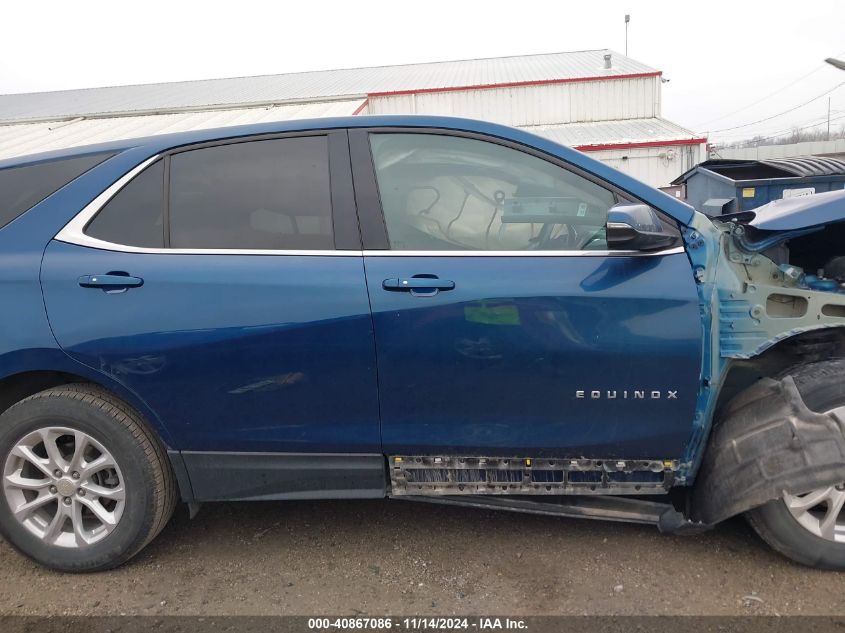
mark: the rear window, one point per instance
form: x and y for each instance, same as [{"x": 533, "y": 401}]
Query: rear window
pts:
[
  {"x": 21, "y": 188},
  {"x": 273, "y": 194}
]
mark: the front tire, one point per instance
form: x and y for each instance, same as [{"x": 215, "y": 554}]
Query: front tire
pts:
[
  {"x": 86, "y": 485},
  {"x": 810, "y": 528}
]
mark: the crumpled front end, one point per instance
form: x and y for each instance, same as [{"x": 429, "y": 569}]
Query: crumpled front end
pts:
[
  {"x": 762, "y": 278},
  {"x": 769, "y": 441}
]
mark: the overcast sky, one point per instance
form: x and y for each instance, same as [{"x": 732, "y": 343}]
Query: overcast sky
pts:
[{"x": 723, "y": 59}]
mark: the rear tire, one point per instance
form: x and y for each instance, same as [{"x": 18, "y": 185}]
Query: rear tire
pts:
[
  {"x": 96, "y": 477},
  {"x": 822, "y": 388}
]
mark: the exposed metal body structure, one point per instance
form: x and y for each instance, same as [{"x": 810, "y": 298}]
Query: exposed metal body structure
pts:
[
  {"x": 748, "y": 305},
  {"x": 450, "y": 475}
]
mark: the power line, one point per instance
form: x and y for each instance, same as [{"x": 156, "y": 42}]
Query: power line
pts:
[
  {"x": 815, "y": 121},
  {"x": 771, "y": 94},
  {"x": 751, "y": 105},
  {"x": 806, "y": 127},
  {"x": 794, "y": 129},
  {"x": 774, "y": 116},
  {"x": 757, "y": 141}
]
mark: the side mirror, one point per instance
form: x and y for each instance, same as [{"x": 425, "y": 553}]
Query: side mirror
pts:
[{"x": 636, "y": 227}]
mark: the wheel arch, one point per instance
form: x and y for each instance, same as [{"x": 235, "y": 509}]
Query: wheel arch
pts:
[
  {"x": 797, "y": 349},
  {"x": 766, "y": 439},
  {"x": 29, "y": 373}
]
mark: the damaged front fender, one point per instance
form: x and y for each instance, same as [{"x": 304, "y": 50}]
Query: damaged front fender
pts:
[
  {"x": 767, "y": 442},
  {"x": 755, "y": 294}
]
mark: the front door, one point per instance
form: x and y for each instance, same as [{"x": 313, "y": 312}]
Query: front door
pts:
[
  {"x": 504, "y": 325},
  {"x": 224, "y": 285}
]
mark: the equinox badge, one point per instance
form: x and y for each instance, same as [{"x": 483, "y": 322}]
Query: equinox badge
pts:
[{"x": 634, "y": 394}]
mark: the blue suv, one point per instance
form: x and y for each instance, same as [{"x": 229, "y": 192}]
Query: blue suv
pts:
[{"x": 428, "y": 308}]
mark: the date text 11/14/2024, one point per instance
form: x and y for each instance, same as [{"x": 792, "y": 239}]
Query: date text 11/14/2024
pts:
[{"x": 417, "y": 624}]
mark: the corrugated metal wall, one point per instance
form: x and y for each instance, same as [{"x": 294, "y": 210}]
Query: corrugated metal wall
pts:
[
  {"x": 785, "y": 150},
  {"x": 28, "y": 138},
  {"x": 535, "y": 105},
  {"x": 656, "y": 166},
  {"x": 346, "y": 83}
]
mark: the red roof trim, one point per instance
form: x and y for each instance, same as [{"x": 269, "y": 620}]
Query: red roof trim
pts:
[
  {"x": 361, "y": 107},
  {"x": 514, "y": 84},
  {"x": 601, "y": 146}
]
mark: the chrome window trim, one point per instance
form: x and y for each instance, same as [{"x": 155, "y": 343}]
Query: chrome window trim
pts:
[
  {"x": 605, "y": 253},
  {"x": 74, "y": 233},
  {"x": 120, "y": 248}
]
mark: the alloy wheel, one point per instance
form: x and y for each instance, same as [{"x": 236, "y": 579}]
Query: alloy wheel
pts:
[
  {"x": 820, "y": 511},
  {"x": 64, "y": 487}
]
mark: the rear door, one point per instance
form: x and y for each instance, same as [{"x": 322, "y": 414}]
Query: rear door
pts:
[
  {"x": 504, "y": 324},
  {"x": 224, "y": 285}
]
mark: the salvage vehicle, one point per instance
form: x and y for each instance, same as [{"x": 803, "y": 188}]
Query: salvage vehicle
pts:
[{"x": 426, "y": 308}]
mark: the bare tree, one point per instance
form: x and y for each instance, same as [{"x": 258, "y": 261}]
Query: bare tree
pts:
[{"x": 797, "y": 135}]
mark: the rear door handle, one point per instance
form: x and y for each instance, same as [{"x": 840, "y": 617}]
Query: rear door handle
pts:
[
  {"x": 417, "y": 283},
  {"x": 110, "y": 281}
]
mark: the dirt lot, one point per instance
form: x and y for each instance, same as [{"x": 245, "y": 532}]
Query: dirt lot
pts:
[{"x": 380, "y": 557}]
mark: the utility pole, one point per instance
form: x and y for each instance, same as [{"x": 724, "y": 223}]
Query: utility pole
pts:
[
  {"x": 836, "y": 63},
  {"x": 627, "y": 19},
  {"x": 828, "y": 118}
]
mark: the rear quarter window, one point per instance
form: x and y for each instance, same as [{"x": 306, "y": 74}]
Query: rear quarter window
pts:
[
  {"x": 21, "y": 188},
  {"x": 134, "y": 216}
]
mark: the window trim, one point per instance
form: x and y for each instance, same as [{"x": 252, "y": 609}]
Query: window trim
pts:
[
  {"x": 672, "y": 250},
  {"x": 371, "y": 214},
  {"x": 346, "y": 233}
]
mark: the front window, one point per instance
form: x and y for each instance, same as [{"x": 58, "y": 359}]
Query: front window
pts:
[{"x": 443, "y": 193}]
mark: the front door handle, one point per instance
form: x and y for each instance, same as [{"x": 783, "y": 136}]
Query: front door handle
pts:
[
  {"x": 110, "y": 281},
  {"x": 417, "y": 283}
]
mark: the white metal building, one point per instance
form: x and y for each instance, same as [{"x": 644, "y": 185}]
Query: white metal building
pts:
[
  {"x": 597, "y": 101},
  {"x": 835, "y": 149}
]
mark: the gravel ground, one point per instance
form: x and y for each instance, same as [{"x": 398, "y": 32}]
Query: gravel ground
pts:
[{"x": 395, "y": 557}]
